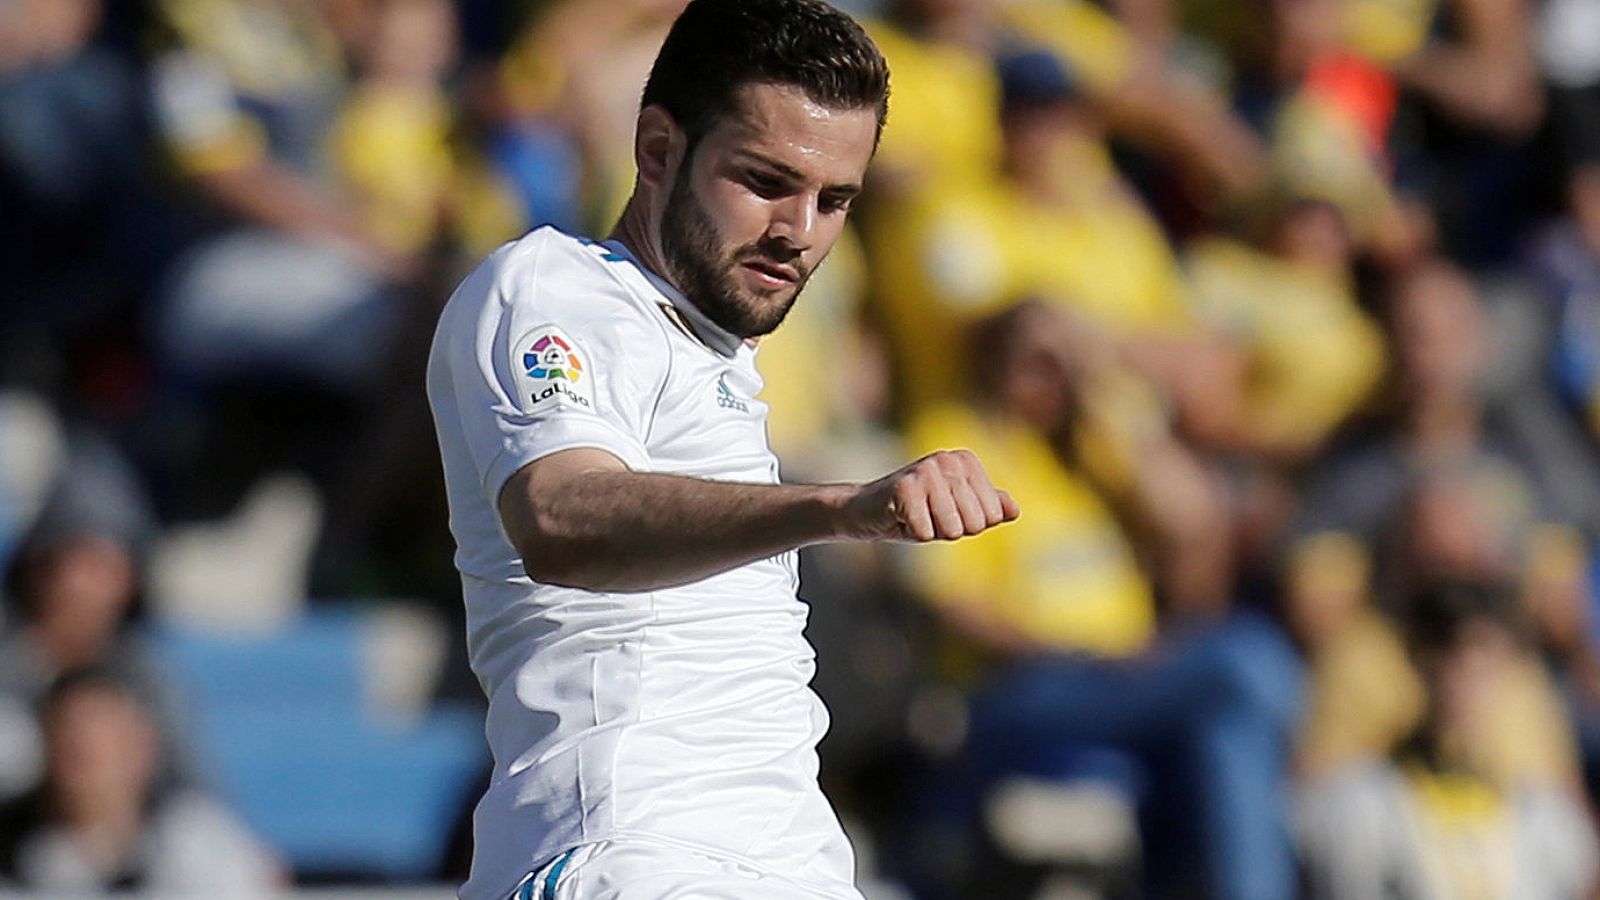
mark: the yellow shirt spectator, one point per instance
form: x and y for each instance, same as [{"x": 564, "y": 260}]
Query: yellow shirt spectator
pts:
[
  {"x": 1064, "y": 574},
  {"x": 940, "y": 260},
  {"x": 1094, "y": 44},
  {"x": 963, "y": 251},
  {"x": 391, "y": 147},
  {"x": 1099, "y": 250},
  {"x": 1365, "y": 697},
  {"x": 946, "y": 97},
  {"x": 1314, "y": 355},
  {"x": 1319, "y": 151},
  {"x": 945, "y": 125},
  {"x": 244, "y": 81},
  {"x": 1387, "y": 31}
]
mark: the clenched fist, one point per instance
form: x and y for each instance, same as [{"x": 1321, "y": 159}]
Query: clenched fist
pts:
[{"x": 942, "y": 496}]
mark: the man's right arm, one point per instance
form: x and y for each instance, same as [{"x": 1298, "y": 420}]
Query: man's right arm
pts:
[{"x": 581, "y": 518}]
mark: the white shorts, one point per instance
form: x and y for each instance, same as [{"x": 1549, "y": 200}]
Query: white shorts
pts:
[{"x": 634, "y": 869}]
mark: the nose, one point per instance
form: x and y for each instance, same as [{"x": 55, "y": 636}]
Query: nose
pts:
[{"x": 794, "y": 221}]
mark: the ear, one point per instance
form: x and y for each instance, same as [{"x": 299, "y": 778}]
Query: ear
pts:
[{"x": 658, "y": 145}]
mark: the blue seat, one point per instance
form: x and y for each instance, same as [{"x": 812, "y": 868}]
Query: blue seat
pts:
[
  {"x": 312, "y": 666},
  {"x": 280, "y": 725}
]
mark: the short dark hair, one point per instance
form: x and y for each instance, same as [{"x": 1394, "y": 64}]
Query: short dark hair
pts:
[{"x": 717, "y": 47}]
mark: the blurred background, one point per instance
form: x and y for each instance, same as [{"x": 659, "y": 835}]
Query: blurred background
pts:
[{"x": 1280, "y": 317}]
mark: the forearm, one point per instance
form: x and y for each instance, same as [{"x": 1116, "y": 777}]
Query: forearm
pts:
[
  {"x": 269, "y": 195},
  {"x": 580, "y": 518},
  {"x": 632, "y": 531},
  {"x": 1180, "y": 507},
  {"x": 1190, "y": 127},
  {"x": 1150, "y": 21},
  {"x": 1493, "y": 87},
  {"x": 1167, "y": 506},
  {"x": 974, "y": 621}
]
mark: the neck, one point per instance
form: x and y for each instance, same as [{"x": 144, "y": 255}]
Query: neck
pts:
[
  {"x": 1034, "y": 178},
  {"x": 1442, "y": 743},
  {"x": 67, "y": 648},
  {"x": 107, "y": 832},
  {"x": 634, "y": 232}
]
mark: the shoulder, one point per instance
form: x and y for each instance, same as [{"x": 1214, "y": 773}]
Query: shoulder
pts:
[
  {"x": 1557, "y": 841},
  {"x": 189, "y": 820},
  {"x": 1549, "y": 804},
  {"x": 189, "y": 832},
  {"x": 549, "y": 277},
  {"x": 549, "y": 266}
]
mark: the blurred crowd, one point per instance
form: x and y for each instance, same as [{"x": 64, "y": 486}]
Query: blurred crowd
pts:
[{"x": 1280, "y": 318}]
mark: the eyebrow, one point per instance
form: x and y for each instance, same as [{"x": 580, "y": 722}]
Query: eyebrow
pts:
[{"x": 794, "y": 174}]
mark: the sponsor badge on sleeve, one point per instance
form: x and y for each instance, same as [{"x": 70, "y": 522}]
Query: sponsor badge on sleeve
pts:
[{"x": 554, "y": 372}]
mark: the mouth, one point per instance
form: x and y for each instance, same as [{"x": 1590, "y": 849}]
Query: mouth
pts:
[{"x": 771, "y": 274}]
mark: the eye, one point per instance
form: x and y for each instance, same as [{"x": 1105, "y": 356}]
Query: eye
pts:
[
  {"x": 765, "y": 185},
  {"x": 834, "y": 203}
]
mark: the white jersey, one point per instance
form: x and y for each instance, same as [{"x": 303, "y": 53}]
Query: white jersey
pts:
[{"x": 679, "y": 715}]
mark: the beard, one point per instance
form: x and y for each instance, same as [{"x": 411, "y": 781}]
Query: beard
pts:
[{"x": 692, "y": 247}]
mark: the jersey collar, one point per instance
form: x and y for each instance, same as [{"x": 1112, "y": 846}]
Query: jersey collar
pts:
[{"x": 700, "y": 326}]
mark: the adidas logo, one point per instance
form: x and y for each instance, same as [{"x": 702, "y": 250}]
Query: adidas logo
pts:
[{"x": 726, "y": 399}]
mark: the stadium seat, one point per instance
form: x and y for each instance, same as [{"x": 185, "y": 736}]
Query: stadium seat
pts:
[{"x": 283, "y": 726}]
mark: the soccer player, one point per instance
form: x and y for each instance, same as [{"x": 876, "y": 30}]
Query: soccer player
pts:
[{"x": 627, "y": 551}]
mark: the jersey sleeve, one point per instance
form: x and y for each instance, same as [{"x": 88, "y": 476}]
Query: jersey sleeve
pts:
[{"x": 544, "y": 357}]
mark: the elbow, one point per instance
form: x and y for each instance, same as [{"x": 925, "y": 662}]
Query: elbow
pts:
[
  {"x": 550, "y": 553},
  {"x": 555, "y": 524},
  {"x": 584, "y": 564},
  {"x": 551, "y": 559},
  {"x": 570, "y": 561},
  {"x": 548, "y": 565}
]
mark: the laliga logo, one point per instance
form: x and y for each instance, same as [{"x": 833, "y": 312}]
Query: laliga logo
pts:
[
  {"x": 552, "y": 363},
  {"x": 552, "y": 358}
]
